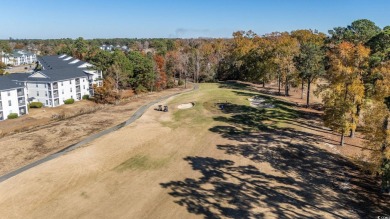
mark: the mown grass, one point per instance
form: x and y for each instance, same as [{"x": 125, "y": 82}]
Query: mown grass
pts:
[
  {"x": 142, "y": 162},
  {"x": 237, "y": 110}
]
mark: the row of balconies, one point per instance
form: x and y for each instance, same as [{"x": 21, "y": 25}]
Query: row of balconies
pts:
[{"x": 21, "y": 102}]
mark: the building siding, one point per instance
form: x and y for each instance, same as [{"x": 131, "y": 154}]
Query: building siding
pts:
[{"x": 14, "y": 99}]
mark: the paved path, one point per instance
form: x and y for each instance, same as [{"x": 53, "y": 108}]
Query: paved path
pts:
[{"x": 72, "y": 147}]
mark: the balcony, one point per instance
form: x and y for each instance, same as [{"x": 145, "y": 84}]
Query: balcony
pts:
[
  {"x": 1, "y": 106},
  {"x": 77, "y": 81},
  {"x": 78, "y": 90},
  {"x": 21, "y": 101},
  {"x": 56, "y": 102},
  {"x": 20, "y": 92},
  {"x": 55, "y": 86},
  {"x": 22, "y": 110}
]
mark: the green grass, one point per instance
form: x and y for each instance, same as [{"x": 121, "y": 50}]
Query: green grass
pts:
[
  {"x": 237, "y": 118},
  {"x": 142, "y": 162},
  {"x": 237, "y": 112}
]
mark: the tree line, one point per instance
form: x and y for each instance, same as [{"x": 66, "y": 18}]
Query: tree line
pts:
[{"x": 353, "y": 63}]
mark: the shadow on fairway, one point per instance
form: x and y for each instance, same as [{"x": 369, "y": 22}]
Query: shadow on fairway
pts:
[{"x": 310, "y": 183}]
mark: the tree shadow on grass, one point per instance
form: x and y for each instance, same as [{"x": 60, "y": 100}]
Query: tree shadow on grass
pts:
[
  {"x": 234, "y": 85},
  {"x": 307, "y": 181},
  {"x": 312, "y": 182}
]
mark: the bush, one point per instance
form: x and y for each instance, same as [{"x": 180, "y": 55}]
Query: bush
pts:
[
  {"x": 86, "y": 97},
  {"x": 181, "y": 82},
  {"x": 170, "y": 84},
  {"x": 140, "y": 89},
  {"x": 69, "y": 101},
  {"x": 12, "y": 116},
  {"x": 36, "y": 105}
]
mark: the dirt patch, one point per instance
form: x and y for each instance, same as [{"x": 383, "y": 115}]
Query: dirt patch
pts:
[
  {"x": 45, "y": 131},
  {"x": 186, "y": 105}
]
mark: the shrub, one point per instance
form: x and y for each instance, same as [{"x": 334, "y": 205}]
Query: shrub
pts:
[
  {"x": 181, "y": 82},
  {"x": 86, "y": 97},
  {"x": 69, "y": 101},
  {"x": 36, "y": 105},
  {"x": 140, "y": 89},
  {"x": 170, "y": 84},
  {"x": 12, "y": 116}
]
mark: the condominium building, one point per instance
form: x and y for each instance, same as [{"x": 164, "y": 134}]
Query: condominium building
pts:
[
  {"x": 13, "y": 98},
  {"x": 18, "y": 57},
  {"x": 62, "y": 77}
]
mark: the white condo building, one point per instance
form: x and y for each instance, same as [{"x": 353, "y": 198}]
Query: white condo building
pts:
[
  {"x": 13, "y": 98},
  {"x": 62, "y": 77},
  {"x": 18, "y": 57}
]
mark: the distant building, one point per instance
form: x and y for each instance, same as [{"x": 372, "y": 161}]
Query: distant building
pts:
[
  {"x": 62, "y": 77},
  {"x": 111, "y": 48},
  {"x": 18, "y": 57},
  {"x": 13, "y": 98}
]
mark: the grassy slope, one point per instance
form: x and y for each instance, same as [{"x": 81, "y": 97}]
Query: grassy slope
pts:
[{"x": 271, "y": 137}]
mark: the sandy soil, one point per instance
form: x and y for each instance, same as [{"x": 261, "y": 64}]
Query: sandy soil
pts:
[
  {"x": 36, "y": 135},
  {"x": 185, "y": 106},
  {"x": 153, "y": 169},
  {"x": 20, "y": 69}
]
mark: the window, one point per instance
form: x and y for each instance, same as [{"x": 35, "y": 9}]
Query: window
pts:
[
  {"x": 62, "y": 91},
  {"x": 71, "y": 97},
  {"x": 47, "y": 102},
  {"x": 70, "y": 89},
  {"x": 38, "y": 93},
  {"x": 83, "y": 79},
  {"x": 45, "y": 85},
  {"x": 46, "y": 93},
  {"x": 9, "y": 93},
  {"x": 62, "y": 83},
  {"x": 36, "y": 85},
  {"x": 84, "y": 87},
  {"x": 9, "y": 103},
  {"x": 70, "y": 81}
]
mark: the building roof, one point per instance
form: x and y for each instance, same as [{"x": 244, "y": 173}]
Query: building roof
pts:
[
  {"x": 56, "y": 75},
  {"x": 18, "y": 76},
  {"x": 17, "y": 53},
  {"x": 56, "y": 68},
  {"x": 7, "y": 84},
  {"x": 59, "y": 62}
]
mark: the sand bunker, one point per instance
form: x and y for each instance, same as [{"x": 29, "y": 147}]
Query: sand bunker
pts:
[
  {"x": 186, "y": 105},
  {"x": 260, "y": 103}
]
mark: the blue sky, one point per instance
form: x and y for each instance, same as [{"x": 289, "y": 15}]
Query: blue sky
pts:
[{"x": 45, "y": 19}]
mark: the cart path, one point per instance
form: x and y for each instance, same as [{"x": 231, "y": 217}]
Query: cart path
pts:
[{"x": 137, "y": 114}]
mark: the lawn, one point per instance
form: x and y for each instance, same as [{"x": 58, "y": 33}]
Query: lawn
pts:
[{"x": 202, "y": 162}]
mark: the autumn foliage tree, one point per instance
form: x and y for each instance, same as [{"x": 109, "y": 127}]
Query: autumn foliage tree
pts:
[
  {"x": 106, "y": 93},
  {"x": 285, "y": 49},
  {"x": 377, "y": 125},
  {"x": 345, "y": 90},
  {"x": 161, "y": 80}
]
